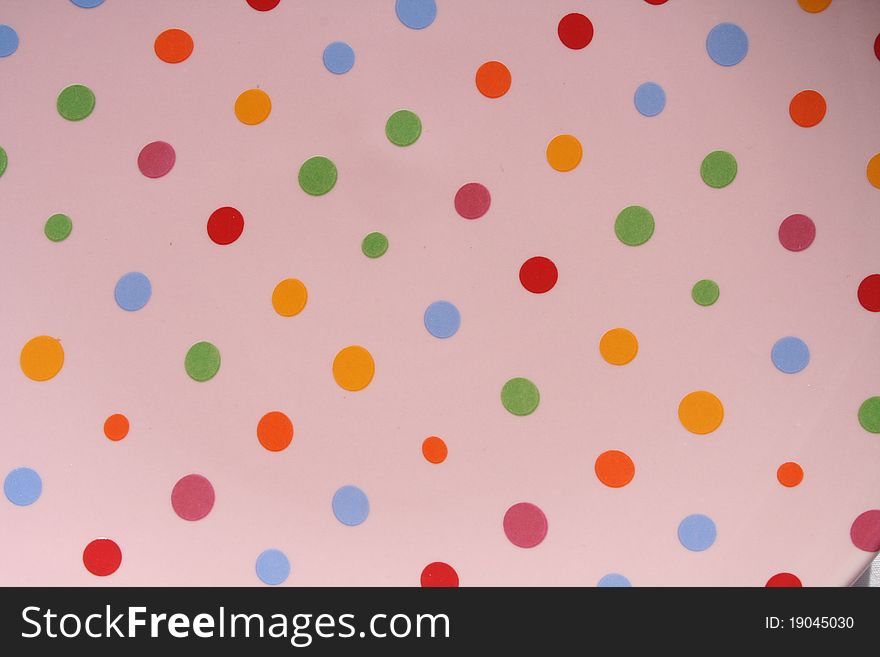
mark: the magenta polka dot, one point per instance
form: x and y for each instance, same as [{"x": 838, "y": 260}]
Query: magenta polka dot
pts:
[
  {"x": 472, "y": 200},
  {"x": 192, "y": 497},
  {"x": 525, "y": 525},
  {"x": 156, "y": 159},
  {"x": 865, "y": 531},
  {"x": 797, "y": 232}
]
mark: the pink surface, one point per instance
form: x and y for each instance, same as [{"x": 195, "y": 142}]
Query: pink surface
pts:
[{"x": 132, "y": 363}]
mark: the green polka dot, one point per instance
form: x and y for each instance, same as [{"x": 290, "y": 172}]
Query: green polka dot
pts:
[
  {"x": 317, "y": 175},
  {"x": 705, "y": 292},
  {"x": 520, "y": 396},
  {"x": 869, "y": 414},
  {"x": 374, "y": 245},
  {"x": 634, "y": 225},
  {"x": 75, "y": 102},
  {"x": 202, "y": 361},
  {"x": 58, "y": 227},
  {"x": 403, "y": 128},
  {"x": 3, "y": 161},
  {"x": 718, "y": 169}
]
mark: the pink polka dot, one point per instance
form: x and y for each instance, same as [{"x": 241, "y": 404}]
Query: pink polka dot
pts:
[
  {"x": 192, "y": 497},
  {"x": 797, "y": 232},
  {"x": 472, "y": 200},
  {"x": 865, "y": 531},
  {"x": 156, "y": 159},
  {"x": 525, "y": 525}
]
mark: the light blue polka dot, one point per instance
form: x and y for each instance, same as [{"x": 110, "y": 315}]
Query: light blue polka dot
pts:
[
  {"x": 133, "y": 291},
  {"x": 87, "y": 4},
  {"x": 614, "y": 580},
  {"x": 727, "y": 44},
  {"x": 273, "y": 567},
  {"x": 442, "y": 319},
  {"x": 350, "y": 505},
  {"x": 697, "y": 532},
  {"x": 8, "y": 41},
  {"x": 650, "y": 99},
  {"x": 416, "y": 14},
  {"x": 790, "y": 355},
  {"x": 23, "y": 486},
  {"x": 338, "y": 57}
]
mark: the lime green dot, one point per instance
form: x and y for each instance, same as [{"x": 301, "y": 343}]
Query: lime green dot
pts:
[
  {"x": 202, "y": 361},
  {"x": 705, "y": 292},
  {"x": 403, "y": 128},
  {"x": 869, "y": 414},
  {"x": 317, "y": 175},
  {"x": 520, "y": 396},
  {"x": 718, "y": 169},
  {"x": 75, "y": 102},
  {"x": 374, "y": 245},
  {"x": 634, "y": 225},
  {"x": 4, "y": 160},
  {"x": 58, "y": 227}
]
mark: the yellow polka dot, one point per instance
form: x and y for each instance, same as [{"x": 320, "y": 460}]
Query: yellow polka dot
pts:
[
  {"x": 618, "y": 346},
  {"x": 353, "y": 368},
  {"x": 41, "y": 358},
  {"x": 564, "y": 152},
  {"x": 289, "y": 297},
  {"x": 253, "y": 106},
  {"x": 700, "y": 412},
  {"x": 814, "y": 6},
  {"x": 874, "y": 171}
]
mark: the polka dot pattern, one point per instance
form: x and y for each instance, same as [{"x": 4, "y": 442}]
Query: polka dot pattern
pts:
[
  {"x": 23, "y": 486},
  {"x": 192, "y": 497},
  {"x": 525, "y": 525},
  {"x": 273, "y": 567}
]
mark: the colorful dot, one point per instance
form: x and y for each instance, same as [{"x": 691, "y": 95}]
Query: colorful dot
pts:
[
  {"x": 416, "y": 14},
  {"x": 869, "y": 414},
  {"x": 102, "y": 557},
  {"x": 442, "y": 319},
  {"x": 225, "y": 225},
  {"x": 615, "y": 469},
  {"x": 865, "y": 531},
  {"x": 192, "y": 497},
  {"x": 434, "y": 449},
  {"x": 273, "y": 566},
  {"x": 650, "y": 99},
  {"x": 23, "y": 486},
  {"x": 877, "y": 47},
  {"x": 525, "y": 525},
  {"x": 615, "y": 580},
  {"x": 173, "y": 46},
  {"x": 289, "y": 297},
  {"x": 564, "y": 152},
  {"x": 783, "y": 580},
  {"x": 338, "y": 57},
  {"x": 493, "y": 79},
  {"x": 727, "y": 44},
  {"x": 58, "y": 227},
  {"x": 156, "y": 159},
  {"x": 869, "y": 293},
  {"x": 472, "y": 200},
  {"x": 353, "y": 368},
  {"x": 697, "y": 532},
  {"x": 618, "y": 346},
  {"x": 253, "y": 106},
  {"x": 790, "y": 355},
  {"x": 41, "y": 358},
  {"x": 403, "y": 128},
  {"x": 263, "y": 5},
  {"x": 634, "y": 225},
  {"x": 87, "y": 4},
  {"x": 797, "y": 232},
  {"x": 116, "y": 427},
  {"x": 4, "y": 160},
  {"x": 814, "y": 6},
  {"x": 8, "y": 40},
  {"x": 718, "y": 169},
  {"x": 275, "y": 431},
  {"x": 374, "y": 245},
  {"x": 75, "y": 102},
  {"x": 439, "y": 575},
  {"x": 807, "y": 108},
  {"x": 202, "y": 361},
  {"x": 790, "y": 474},
  {"x": 575, "y": 31},
  {"x": 520, "y": 396},
  {"x": 538, "y": 274},
  {"x": 350, "y": 505},
  {"x": 873, "y": 171},
  {"x": 133, "y": 291},
  {"x": 700, "y": 412},
  {"x": 705, "y": 292},
  {"x": 317, "y": 175}
]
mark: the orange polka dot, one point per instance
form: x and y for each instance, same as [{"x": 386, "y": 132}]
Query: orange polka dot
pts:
[
  {"x": 116, "y": 427},
  {"x": 253, "y": 106},
  {"x": 874, "y": 171},
  {"x": 434, "y": 449},
  {"x": 173, "y": 46},
  {"x": 493, "y": 79},
  {"x": 814, "y": 6},
  {"x": 564, "y": 152},
  {"x": 807, "y": 108},
  {"x": 41, "y": 358},
  {"x": 790, "y": 474},
  {"x": 700, "y": 412},
  {"x": 275, "y": 431},
  {"x": 615, "y": 469},
  {"x": 618, "y": 346}
]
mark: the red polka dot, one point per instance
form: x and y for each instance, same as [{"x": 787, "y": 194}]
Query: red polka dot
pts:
[
  {"x": 869, "y": 293},
  {"x": 439, "y": 575},
  {"x": 656, "y": 2},
  {"x": 102, "y": 557},
  {"x": 525, "y": 525},
  {"x": 780, "y": 580},
  {"x": 192, "y": 498},
  {"x": 263, "y": 5},
  {"x": 156, "y": 159},
  {"x": 575, "y": 31},
  {"x": 538, "y": 274},
  {"x": 865, "y": 531},
  {"x": 797, "y": 232},
  {"x": 225, "y": 225},
  {"x": 472, "y": 200},
  {"x": 877, "y": 47}
]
